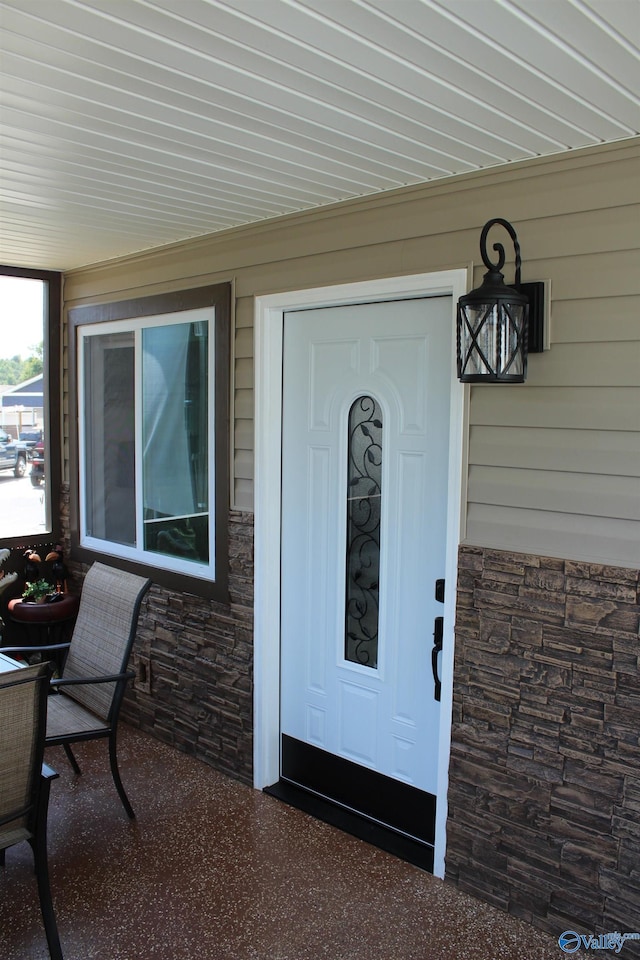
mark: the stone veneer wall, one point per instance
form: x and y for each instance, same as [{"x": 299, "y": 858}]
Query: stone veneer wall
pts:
[
  {"x": 194, "y": 665},
  {"x": 544, "y": 795}
]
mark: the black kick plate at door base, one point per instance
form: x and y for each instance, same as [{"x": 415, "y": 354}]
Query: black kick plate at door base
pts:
[{"x": 385, "y": 812}]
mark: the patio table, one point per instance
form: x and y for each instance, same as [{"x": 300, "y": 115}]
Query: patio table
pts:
[{"x": 7, "y": 664}]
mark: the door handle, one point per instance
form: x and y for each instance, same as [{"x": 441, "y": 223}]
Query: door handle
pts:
[{"x": 437, "y": 647}]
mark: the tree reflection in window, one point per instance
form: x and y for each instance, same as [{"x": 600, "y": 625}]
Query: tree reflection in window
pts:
[{"x": 363, "y": 531}]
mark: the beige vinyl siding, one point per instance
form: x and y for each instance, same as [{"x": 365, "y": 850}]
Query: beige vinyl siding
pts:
[
  {"x": 585, "y": 321},
  {"x": 242, "y": 406},
  {"x": 547, "y": 449},
  {"x": 597, "y": 408},
  {"x": 554, "y": 463},
  {"x": 598, "y": 539},
  {"x": 586, "y": 494}
]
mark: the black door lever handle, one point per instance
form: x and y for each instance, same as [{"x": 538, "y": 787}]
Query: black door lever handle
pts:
[{"x": 437, "y": 647}]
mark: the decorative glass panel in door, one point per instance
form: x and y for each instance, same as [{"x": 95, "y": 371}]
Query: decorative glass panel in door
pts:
[{"x": 363, "y": 531}]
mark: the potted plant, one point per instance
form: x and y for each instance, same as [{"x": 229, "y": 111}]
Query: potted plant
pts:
[{"x": 37, "y": 591}]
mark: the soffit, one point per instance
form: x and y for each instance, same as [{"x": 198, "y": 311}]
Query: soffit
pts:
[{"x": 129, "y": 124}]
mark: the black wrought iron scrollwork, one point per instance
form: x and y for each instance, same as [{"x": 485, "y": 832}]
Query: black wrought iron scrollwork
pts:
[
  {"x": 363, "y": 531},
  {"x": 499, "y": 249}
]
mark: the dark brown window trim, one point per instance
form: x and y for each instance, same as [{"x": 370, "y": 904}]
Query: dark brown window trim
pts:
[
  {"x": 218, "y": 296},
  {"x": 53, "y": 404}
]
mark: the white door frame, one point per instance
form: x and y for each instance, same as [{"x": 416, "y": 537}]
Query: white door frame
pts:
[{"x": 268, "y": 333}]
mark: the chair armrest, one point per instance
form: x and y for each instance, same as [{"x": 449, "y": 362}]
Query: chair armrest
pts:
[
  {"x": 84, "y": 681},
  {"x": 35, "y": 648}
]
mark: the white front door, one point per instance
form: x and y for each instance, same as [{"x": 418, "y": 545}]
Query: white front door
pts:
[{"x": 365, "y": 468}]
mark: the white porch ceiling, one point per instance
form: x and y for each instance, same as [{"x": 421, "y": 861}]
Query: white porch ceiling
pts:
[{"x": 127, "y": 124}]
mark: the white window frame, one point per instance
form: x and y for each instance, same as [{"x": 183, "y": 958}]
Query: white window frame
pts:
[{"x": 136, "y": 325}]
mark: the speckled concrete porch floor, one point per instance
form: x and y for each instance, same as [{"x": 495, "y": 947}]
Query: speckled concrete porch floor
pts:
[{"x": 213, "y": 870}]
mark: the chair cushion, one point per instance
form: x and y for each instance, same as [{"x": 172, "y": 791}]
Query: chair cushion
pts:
[{"x": 66, "y": 717}]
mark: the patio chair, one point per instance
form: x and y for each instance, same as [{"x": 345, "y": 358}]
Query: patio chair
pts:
[
  {"x": 94, "y": 674},
  {"x": 25, "y": 780}
]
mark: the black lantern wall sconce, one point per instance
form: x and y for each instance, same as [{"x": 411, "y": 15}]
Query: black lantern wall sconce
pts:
[{"x": 497, "y": 325}]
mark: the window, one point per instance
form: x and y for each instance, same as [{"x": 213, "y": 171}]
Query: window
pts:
[
  {"x": 30, "y": 470},
  {"x": 152, "y": 399},
  {"x": 364, "y": 498}
]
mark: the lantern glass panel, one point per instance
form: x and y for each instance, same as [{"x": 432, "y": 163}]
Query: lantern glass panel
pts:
[
  {"x": 511, "y": 358},
  {"x": 491, "y": 340},
  {"x": 479, "y": 333}
]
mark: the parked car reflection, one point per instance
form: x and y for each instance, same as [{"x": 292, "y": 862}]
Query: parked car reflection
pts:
[{"x": 37, "y": 465}]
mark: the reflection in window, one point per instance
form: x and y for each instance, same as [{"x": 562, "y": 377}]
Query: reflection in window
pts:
[
  {"x": 146, "y": 464},
  {"x": 363, "y": 531},
  {"x": 109, "y": 387},
  {"x": 175, "y": 459}
]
